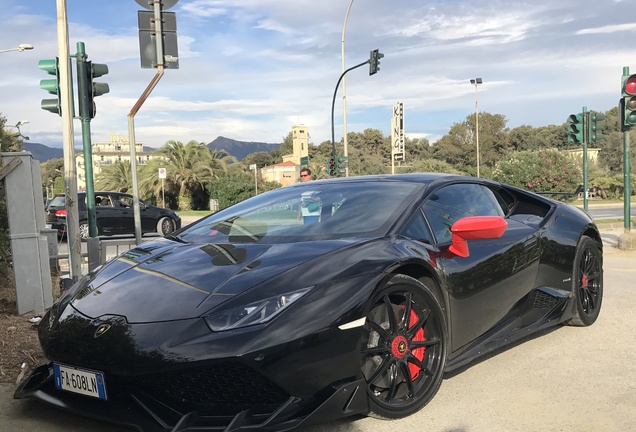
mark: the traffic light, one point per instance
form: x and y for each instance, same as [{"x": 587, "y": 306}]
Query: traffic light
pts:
[
  {"x": 575, "y": 128},
  {"x": 52, "y": 67},
  {"x": 341, "y": 164},
  {"x": 374, "y": 61},
  {"x": 331, "y": 166},
  {"x": 628, "y": 102},
  {"x": 595, "y": 127},
  {"x": 88, "y": 89}
]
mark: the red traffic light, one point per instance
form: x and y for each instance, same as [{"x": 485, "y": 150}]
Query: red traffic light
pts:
[{"x": 630, "y": 85}]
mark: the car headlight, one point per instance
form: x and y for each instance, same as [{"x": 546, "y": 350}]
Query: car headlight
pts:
[{"x": 254, "y": 313}]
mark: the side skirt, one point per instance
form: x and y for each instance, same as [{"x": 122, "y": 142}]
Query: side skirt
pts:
[{"x": 542, "y": 308}]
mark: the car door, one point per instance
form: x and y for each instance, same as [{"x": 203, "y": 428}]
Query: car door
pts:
[
  {"x": 483, "y": 287},
  {"x": 122, "y": 204},
  {"x": 106, "y": 217}
]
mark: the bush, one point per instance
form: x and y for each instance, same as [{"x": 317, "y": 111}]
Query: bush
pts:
[{"x": 540, "y": 171}]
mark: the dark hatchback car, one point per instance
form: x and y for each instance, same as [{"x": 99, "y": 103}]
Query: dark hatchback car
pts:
[{"x": 114, "y": 215}]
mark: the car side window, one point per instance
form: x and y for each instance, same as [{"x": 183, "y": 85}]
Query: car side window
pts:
[
  {"x": 125, "y": 201},
  {"x": 417, "y": 229},
  {"x": 451, "y": 203}
]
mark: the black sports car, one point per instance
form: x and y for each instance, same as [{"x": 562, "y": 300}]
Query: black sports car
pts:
[{"x": 317, "y": 301}]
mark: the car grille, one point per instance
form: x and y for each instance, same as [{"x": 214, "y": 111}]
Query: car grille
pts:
[{"x": 226, "y": 388}]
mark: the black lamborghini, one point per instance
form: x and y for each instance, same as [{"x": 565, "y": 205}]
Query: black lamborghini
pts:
[{"x": 317, "y": 301}]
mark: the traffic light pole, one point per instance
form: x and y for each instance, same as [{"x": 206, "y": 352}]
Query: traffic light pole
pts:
[
  {"x": 85, "y": 98},
  {"x": 333, "y": 103},
  {"x": 586, "y": 138}
]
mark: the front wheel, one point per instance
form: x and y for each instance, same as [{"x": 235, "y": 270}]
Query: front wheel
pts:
[
  {"x": 165, "y": 226},
  {"x": 403, "y": 351},
  {"x": 587, "y": 282}
]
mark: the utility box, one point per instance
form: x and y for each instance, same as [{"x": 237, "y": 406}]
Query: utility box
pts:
[{"x": 29, "y": 248}]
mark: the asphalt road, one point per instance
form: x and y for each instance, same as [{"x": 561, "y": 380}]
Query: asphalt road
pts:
[{"x": 568, "y": 379}]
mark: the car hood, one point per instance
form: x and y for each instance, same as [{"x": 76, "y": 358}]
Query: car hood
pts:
[{"x": 165, "y": 280}]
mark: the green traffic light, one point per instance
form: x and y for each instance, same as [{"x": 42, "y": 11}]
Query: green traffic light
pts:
[
  {"x": 374, "y": 61},
  {"x": 575, "y": 128},
  {"x": 52, "y": 86}
]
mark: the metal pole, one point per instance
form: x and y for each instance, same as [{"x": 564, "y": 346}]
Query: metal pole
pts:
[
  {"x": 344, "y": 90},
  {"x": 333, "y": 103},
  {"x": 84, "y": 87},
  {"x": 70, "y": 174},
  {"x": 586, "y": 138},
  {"x": 131, "y": 119},
  {"x": 477, "y": 125},
  {"x": 163, "y": 195},
  {"x": 627, "y": 183}
]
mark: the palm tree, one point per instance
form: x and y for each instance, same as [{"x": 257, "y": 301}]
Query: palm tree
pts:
[
  {"x": 115, "y": 177},
  {"x": 189, "y": 168}
]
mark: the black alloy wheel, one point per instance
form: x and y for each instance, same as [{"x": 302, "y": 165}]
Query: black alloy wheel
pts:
[
  {"x": 587, "y": 282},
  {"x": 403, "y": 351}
]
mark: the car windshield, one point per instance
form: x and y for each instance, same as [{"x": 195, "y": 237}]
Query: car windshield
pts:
[{"x": 308, "y": 211}]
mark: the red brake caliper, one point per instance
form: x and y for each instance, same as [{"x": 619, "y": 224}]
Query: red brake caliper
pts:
[
  {"x": 584, "y": 281},
  {"x": 399, "y": 347},
  {"x": 417, "y": 352}
]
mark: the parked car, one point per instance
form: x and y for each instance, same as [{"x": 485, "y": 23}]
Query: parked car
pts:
[
  {"x": 253, "y": 318},
  {"x": 114, "y": 215}
]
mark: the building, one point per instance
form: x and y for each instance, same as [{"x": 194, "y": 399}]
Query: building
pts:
[
  {"x": 108, "y": 153},
  {"x": 288, "y": 171}
]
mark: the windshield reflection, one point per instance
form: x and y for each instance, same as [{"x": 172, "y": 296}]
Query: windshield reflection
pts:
[{"x": 308, "y": 211}]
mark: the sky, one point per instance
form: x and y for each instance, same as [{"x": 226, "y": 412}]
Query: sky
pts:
[{"x": 249, "y": 70}]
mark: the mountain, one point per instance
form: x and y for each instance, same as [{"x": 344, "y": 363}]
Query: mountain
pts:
[
  {"x": 41, "y": 152},
  {"x": 240, "y": 149}
]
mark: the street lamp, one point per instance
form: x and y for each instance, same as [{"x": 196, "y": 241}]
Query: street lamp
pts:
[
  {"x": 476, "y": 82},
  {"x": 344, "y": 89},
  {"x": 17, "y": 126},
  {"x": 20, "y": 48}
]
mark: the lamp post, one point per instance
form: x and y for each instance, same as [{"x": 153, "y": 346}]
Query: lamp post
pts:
[
  {"x": 344, "y": 90},
  {"x": 476, "y": 82},
  {"x": 20, "y": 48},
  {"x": 17, "y": 126}
]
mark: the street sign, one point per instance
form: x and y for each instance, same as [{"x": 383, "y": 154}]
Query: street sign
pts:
[
  {"x": 304, "y": 161},
  {"x": 397, "y": 132},
  {"x": 149, "y": 4},
  {"x": 162, "y": 173},
  {"x": 148, "y": 40},
  {"x": 253, "y": 166}
]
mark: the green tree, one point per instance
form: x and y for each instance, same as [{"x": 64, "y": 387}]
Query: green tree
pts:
[
  {"x": 231, "y": 189},
  {"x": 260, "y": 159},
  {"x": 10, "y": 140},
  {"x": 115, "y": 177},
  {"x": 540, "y": 171},
  {"x": 189, "y": 169}
]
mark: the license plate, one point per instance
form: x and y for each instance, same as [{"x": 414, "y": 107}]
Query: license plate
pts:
[{"x": 82, "y": 381}]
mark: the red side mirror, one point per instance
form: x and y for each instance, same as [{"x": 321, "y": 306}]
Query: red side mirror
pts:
[{"x": 475, "y": 228}]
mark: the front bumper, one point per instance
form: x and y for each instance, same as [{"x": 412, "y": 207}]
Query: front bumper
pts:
[{"x": 134, "y": 407}]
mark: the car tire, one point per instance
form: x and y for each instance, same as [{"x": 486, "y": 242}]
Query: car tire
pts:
[
  {"x": 165, "y": 226},
  {"x": 587, "y": 283},
  {"x": 83, "y": 231},
  {"x": 403, "y": 359}
]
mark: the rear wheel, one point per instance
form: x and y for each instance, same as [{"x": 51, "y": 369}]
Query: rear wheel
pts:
[
  {"x": 587, "y": 282},
  {"x": 165, "y": 226},
  {"x": 403, "y": 350}
]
